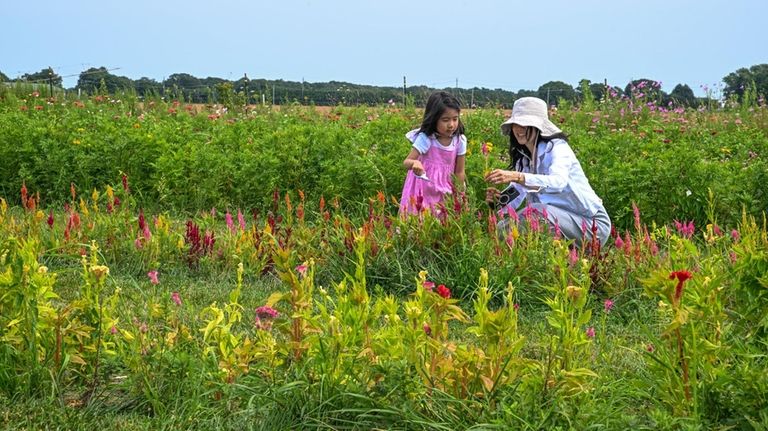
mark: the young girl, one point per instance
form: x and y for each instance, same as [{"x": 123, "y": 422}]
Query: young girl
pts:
[{"x": 436, "y": 157}]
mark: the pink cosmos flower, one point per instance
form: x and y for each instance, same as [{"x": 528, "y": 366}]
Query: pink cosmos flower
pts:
[{"x": 153, "y": 277}]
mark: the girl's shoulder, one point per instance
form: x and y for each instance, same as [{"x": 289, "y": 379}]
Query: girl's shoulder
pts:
[
  {"x": 420, "y": 140},
  {"x": 462, "y": 145}
]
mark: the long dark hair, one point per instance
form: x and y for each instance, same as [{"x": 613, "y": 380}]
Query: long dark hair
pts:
[
  {"x": 437, "y": 103},
  {"x": 518, "y": 151}
]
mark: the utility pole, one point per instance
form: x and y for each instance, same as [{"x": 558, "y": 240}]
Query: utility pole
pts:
[
  {"x": 50, "y": 82},
  {"x": 245, "y": 89},
  {"x": 403, "y": 90}
]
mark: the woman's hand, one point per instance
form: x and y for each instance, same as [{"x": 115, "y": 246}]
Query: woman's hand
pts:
[
  {"x": 492, "y": 195},
  {"x": 500, "y": 176}
]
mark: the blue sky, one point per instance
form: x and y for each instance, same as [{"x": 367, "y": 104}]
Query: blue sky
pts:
[{"x": 507, "y": 44}]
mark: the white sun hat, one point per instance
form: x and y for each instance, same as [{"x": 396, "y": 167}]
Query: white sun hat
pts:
[{"x": 530, "y": 111}]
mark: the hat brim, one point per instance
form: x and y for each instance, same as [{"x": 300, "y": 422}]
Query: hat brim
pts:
[{"x": 546, "y": 127}]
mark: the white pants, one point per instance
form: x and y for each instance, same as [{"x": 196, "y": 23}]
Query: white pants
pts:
[{"x": 570, "y": 224}]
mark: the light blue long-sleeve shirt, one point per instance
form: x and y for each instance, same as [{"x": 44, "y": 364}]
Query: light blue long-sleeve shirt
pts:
[{"x": 558, "y": 180}]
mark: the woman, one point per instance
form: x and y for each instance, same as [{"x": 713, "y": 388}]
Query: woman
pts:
[{"x": 545, "y": 172}]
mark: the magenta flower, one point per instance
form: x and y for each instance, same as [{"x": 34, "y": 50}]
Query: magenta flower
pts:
[
  {"x": 619, "y": 242},
  {"x": 429, "y": 285},
  {"x": 264, "y": 316},
  {"x": 591, "y": 332},
  {"x": 113, "y": 330},
  {"x": 241, "y": 220},
  {"x": 266, "y": 312},
  {"x": 735, "y": 235},
  {"x": 573, "y": 256},
  {"x": 230, "y": 223},
  {"x": 176, "y": 298},
  {"x": 427, "y": 329},
  {"x": 607, "y": 305},
  {"x": 153, "y": 277},
  {"x": 302, "y": 269}
]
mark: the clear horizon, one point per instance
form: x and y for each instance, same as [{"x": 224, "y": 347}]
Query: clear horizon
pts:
[{"x": 453, "y": 43}]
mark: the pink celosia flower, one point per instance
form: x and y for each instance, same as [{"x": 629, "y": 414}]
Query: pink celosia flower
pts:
[
  {"x": 607, "y": 305},
  {"x": 241, "y": 220},
  {"x": 301, "y": 269},
  {"x": 591, "y": 332},
  {"x": 735, "y": 235},
  {"x": 619, "y": 242},
  {"x": 427, "y": 329},
  {"x": 429, "y": 285},
  {"x": 230, "y": 223},
  {"x": 573, "y": 256},
  {"x": 153, "y": 277},
  {"x": 176, "y": 298},
  {"x": 113, "y": 330}
]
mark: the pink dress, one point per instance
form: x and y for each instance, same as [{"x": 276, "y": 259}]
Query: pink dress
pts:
[{"x": 439, "y": 164}]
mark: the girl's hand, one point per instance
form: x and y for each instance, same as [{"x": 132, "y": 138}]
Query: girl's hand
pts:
[
  {"x": 500, "y": 176},
  {"x": 417, "y": 168},
  {"x": 492, "y": 195}
]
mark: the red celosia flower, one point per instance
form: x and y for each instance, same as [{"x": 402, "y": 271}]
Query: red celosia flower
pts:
[
  {"x": 443, "y": 291},
  {"x": 681, "y": 277}
]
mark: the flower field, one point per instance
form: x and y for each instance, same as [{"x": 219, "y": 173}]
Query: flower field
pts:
[{"x": 164, "y": 266}]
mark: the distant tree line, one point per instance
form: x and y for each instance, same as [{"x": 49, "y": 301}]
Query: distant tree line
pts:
[{"x": 744, "y": 83}]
